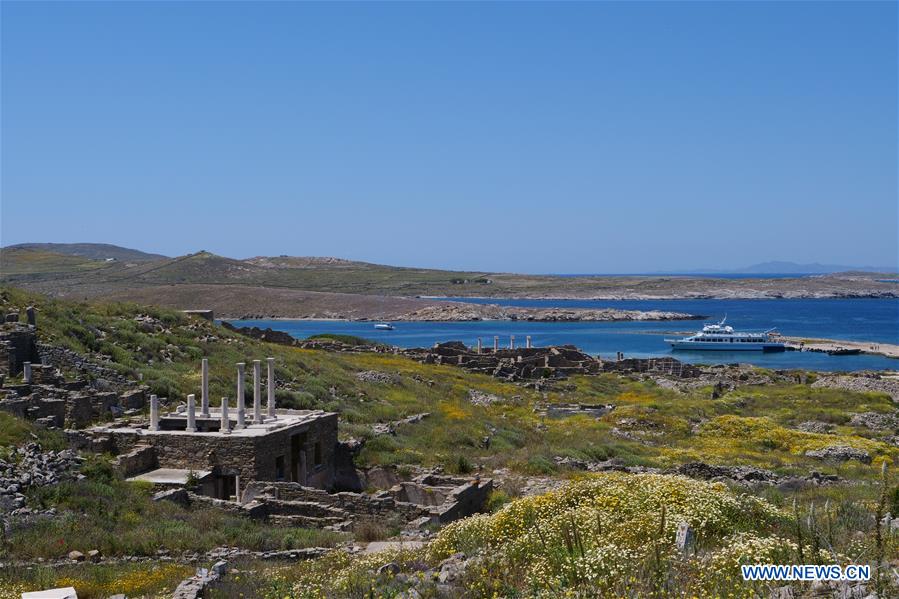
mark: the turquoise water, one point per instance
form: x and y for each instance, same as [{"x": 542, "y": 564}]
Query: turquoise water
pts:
[{"x": 875, "y": 320}]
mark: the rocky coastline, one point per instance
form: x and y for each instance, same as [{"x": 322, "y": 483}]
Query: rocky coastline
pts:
[{"x": 465, "y": 312}]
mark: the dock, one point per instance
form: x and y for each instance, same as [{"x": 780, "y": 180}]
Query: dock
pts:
[{"x": 826, "y": 345}]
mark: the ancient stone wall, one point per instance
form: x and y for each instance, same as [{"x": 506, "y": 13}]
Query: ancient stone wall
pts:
[
  {"x": 69, "y": 360},
  {"x": 140, "y": 459},
  {"x": 18, "y": 344}
]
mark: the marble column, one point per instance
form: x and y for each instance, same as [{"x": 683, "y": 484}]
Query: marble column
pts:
[
  {"x": 257, "y": 391},
  {"x": 240, "y": 399},
  {"x": 496, "y": 343},
  {"x": 204, "y": 389},
  {"x": 154, "y": 413},
  {"x": 26, "y": 372},
  {"x": 527, "y": 342},
  {"x": 512, "y": 342},
  {"x": 479, "y": 345},
  {"x": 191, "y": 414},
  {"x": 271, "y": 387},
  {"x": 226, "y": 423}
]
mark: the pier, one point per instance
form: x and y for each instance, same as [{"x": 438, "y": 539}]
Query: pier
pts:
[{"x": 827, "y": 345}]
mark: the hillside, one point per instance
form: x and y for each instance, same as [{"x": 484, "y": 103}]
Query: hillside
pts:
[
  {"x": 91, "y": 251},
  {"x": 38, "y": 263},
  {"x": 279, "y": 283}
]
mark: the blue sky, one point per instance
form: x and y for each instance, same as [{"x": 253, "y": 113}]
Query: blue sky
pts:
[{"x": 562, "y": 137}]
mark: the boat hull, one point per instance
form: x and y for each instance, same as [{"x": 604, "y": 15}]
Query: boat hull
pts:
[{"x": 716, "y": 346}]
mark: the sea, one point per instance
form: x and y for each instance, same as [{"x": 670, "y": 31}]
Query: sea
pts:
[{"x": 869, "y": 320}]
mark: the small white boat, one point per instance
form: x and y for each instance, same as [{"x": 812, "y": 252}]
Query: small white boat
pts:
[
  {"x": 384, "y": 326},
  {"x": 721, "y": 337}
]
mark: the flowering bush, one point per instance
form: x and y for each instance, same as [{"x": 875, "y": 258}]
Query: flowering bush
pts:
[{"x": 604, "y": 530}]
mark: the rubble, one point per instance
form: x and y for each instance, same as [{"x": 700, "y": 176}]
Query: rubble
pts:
[
  {"x": 28, "y": 467},
  {"x": 389, "y": 428},
  {"x": 840, "y": 453},
  {"x": 860, "y": 383},
  {"x": 373, "y": 376},
  {"x": 479, "y": 398},
  {"x": 815, "y": 426},
  {"x": 875, "y": 421},
  {"x": 751, "y": 476}
]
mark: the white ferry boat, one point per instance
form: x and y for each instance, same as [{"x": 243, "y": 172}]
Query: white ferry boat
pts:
[
  {"x": 384, "y": 326},
  {"x": 722, "y": 337}
]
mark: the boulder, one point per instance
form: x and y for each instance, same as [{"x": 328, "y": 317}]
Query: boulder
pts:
[
  {"x": 76, "y": 556},
  {"x": 389, "y": 568}
]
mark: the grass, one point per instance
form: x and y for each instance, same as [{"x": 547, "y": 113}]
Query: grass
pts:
[
  {"x": 15, "y": 431},
  {"x": 348, "y": 339}
]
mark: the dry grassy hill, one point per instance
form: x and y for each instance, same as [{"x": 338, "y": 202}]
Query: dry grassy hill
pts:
[{"x": 276, "y": 284}]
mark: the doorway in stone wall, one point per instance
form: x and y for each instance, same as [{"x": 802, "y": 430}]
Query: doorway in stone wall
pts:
[
  {"x": 298, "y": 458},
  {"x": 227, "y": 486}
]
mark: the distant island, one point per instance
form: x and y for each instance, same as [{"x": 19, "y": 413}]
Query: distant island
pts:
[{"x": 793, "y": 268}]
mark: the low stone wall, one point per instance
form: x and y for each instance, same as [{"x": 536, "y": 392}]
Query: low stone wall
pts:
[
  {"x": 140, "y": 459},
  {"x": 69, "y": 360}
]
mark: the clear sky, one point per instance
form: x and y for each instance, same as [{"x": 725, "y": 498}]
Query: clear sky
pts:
[{"x": 562, "y": 137}]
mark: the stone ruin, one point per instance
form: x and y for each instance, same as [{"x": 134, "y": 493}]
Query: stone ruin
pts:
[
  {"x": 265, "y": 462},
  {"x": 428, "y": 499},
  {"x": 33, "y": 387},
  {"x": 553, "y": 362},
  {"x": 514, "y": 364}
]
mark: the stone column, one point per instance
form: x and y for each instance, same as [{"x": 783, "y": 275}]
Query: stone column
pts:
[
  {"x": 271, "y": 387},
  {"x": 496, "y": 343},
  {"x": 191, "y": 414},
  {"x": 527, "y": 342},
  {"x": 241, "y": 406},
  {"x": 154, "y": 413},
  {"x": 204, "y": 388},
  {"x": 26, "y": 372},
  {"x": 257, "y": 391},
  {"x": 226, "y": 423},
  {"x": 511, "y": 341},
  {"x": 479, "y": 345}
]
